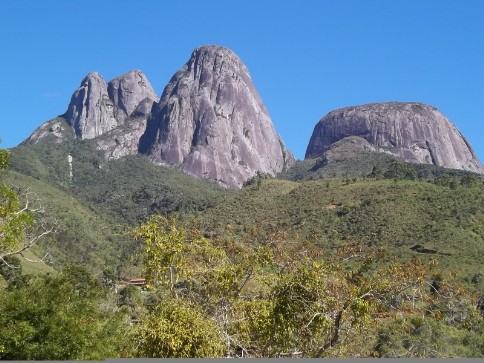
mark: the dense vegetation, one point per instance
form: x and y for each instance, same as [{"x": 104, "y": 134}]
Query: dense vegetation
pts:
[
  {"x": 128, "y": 189},
  {"x": 96, "y": 210},
  {"x": 271, "y": 300},
  {"x": 64, "y": 317},
  {"x": 382, "y": 261},
  {"x": 393, "y": 214}
]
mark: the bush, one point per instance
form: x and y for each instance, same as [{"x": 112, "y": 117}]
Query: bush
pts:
[{"x": 177, "y": 330}]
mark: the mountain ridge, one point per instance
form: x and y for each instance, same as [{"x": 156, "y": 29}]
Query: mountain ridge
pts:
[
  {"x": 211, "y": 123},
  {"x": 226, "y": 136}
]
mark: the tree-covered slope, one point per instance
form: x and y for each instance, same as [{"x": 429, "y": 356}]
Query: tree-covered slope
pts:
[
  {"x": 397, "y": 215},
  {"x": 81, "y": 235},
  {"x": 96, "y": 208},
  {"x": 130, "y": 188}
]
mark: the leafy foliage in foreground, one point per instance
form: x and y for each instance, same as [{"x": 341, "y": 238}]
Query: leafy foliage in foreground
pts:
[
  {"x": 271, "y": 301},
  {"x": 60, "y": 318},
  {"x": 177, "y": 329},
  {"x": 22, "y": 225}
]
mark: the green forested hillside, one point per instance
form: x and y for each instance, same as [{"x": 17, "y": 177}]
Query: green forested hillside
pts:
[
  {"x": 398, "y": 207},
  {"x": 130, "y": 188},
  {"x": 82, "y": 235},
  {"x": 383, "y": 260},
  {"x": 97, "y": 208},
  {"x": 332, "y": 213}
]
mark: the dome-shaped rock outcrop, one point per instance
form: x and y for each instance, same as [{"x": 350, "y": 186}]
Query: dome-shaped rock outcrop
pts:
[{"x": 415, "y": 132}]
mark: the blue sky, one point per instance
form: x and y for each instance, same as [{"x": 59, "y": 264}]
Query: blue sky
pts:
[{"x": 306, "y": 57}]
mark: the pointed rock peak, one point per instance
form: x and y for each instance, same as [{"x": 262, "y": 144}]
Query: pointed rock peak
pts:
[
  {"x": 92, "y": 77},
  {"x": 128, "y": 91},
  {"x": 211, "y": 122},
  {"x": 137, "y": 77},
  {"x": 212, "y": 48},
  {"x": 93, "y": 81},
  {"x": 97, "y": 107},
  {"x": 415, "y": 132},
  {"x": 216, "y": 59},
  {"x": 214, "y": 51},
  {"x": 91, "y": 112}
]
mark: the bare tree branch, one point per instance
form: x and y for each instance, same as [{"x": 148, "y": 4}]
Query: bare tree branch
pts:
[{"x": 34, "y": 232}]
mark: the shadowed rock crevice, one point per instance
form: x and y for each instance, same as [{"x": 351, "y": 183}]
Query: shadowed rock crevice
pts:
[{"x": 422, "y": 249}]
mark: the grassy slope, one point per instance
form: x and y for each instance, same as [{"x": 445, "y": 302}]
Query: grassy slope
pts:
[
  {"x": 82, "y": 235},
  {"x": 34, "y": 267}
]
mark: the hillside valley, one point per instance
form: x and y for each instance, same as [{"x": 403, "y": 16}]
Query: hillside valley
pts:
[
  {"x": 332, "y": 203},
  {"x": 398, "y": 212}
]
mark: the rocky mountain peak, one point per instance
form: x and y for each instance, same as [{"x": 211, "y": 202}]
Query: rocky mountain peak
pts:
[
  {"x": 128, "y": 91},
  {"x": 416, "y": 132},
  {"x": 92, "y": 77},
  {"x": 91, "y": 112},
  {"x": 96, "y": 107},
  {"x": 214, "y": 58},
  {"x": 211, "y": 122}
]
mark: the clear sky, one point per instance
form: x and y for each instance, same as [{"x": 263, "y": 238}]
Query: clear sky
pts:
[{"x": 306, "y": 57}]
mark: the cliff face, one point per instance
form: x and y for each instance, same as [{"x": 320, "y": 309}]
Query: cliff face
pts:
[
  {"x": 131, "y": 92},
  {"x": 91, "y": 112},
  {"x": 211, "y": 122},
  {"x": 414, "y": 132}
]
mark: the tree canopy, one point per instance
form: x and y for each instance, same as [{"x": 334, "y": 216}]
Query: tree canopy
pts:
[{"x": 274, "y": 300}]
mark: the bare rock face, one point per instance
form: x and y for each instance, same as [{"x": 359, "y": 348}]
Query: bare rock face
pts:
[
  {"x": 416, "y": 132},
  {"x": 133, "y": 99},
  {"x": 54, "y": 131},
  {"x": 128, "y": 91},
  {"x": 91, "y": 112},
  {"x": 348, "y": 147},
  {"x": 211, "y": 122},
  {"x": 97, "y": 108},
  {"x": 124, "y": 140}
]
